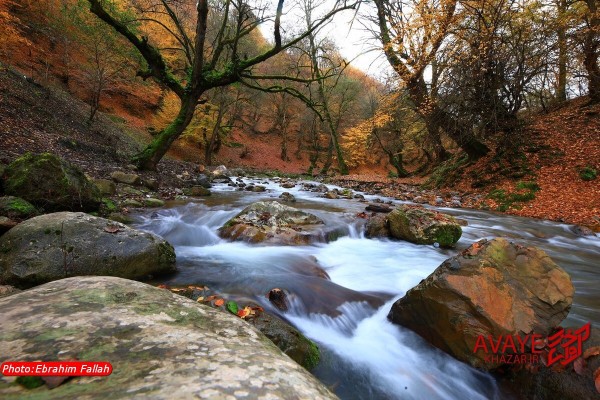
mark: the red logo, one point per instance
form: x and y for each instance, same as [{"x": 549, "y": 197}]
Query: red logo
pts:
[
  {"x": 56, "y": 368},
  {"x": 564, "y": 346}
]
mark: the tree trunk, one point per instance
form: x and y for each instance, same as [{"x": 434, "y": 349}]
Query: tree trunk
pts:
[
  {"x": 561, "y": 87},
  {"x": 591, "y": 45},
  {"x": 397, "y": 163},
  {"x": 329, "y": 159},
  {"x": 210, "y": 146},
  {"x": 154, "y": 152}
]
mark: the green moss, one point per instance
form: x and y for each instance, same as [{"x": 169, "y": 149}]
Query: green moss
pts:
[
  {"x": 30, "y": 382},
  {"x": 447, "y": 235},
  {"x": 109, "y": 206},
  {"x": 528, "y": 185},
  {"x": 588, "y": 173},
  {"x": 313, "y": 356},
  {"x": 525, "y": 192}
]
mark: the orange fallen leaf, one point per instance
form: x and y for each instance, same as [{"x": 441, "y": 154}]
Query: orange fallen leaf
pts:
[
  {"x": 592, "y": 351},
  {"x": 247, "y": 311},
  {"x": 162, "y": 286},
  {"x": 219, "y": 302},
  {"x": 112, "y": 229},
  {"x": 199, "y": 299},
  {"x": 210, "y": 298},
  {"x": 597, "y": 379}
]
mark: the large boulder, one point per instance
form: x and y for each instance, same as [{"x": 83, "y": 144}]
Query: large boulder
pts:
[
  {"x": 492, "y": 288},
  {"x": 58, "y": 245},
  {"x": 377, "y": 226},
  {"x": 422, "y": 226},
  {"x": 161, "y": 345},
  {"x": 49, "y": 182},
  {"x": 273, "y": 223}
]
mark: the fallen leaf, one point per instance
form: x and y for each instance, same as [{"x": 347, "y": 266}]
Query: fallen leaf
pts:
[
  {"x": 592, "y": 351},
  {"x": 162, "y": 286},
  {"x": 177, "y": 290},
  {"x": 247, "y": 311},
  {"x": 232, "y": 307},
  {"x": 54, "y": 381},
  {"x": 219, "y": 302},
  {"x": 112, "y": 229},
  {"x": 597, "y": 379},
  {"x": 199, "y": 299},
  {"x": 210, "y": 298},
  {"x": 579, "y": 366}
]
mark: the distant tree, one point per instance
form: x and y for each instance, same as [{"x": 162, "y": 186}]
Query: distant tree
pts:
[
  {"x": 211, "y": 57},
  {"x": 412, "y": 33}
]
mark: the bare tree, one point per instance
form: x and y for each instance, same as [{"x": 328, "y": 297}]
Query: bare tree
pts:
[{"x": 209, "y": 61}]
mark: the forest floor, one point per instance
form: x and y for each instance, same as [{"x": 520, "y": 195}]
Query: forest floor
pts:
[{"x": 559, "y": 144}]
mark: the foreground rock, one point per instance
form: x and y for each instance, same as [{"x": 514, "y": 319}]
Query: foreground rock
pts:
[
  {"x": 48, "y": 182},
  {"x": 55, "y": 246},
  {"x": 273, "y": 223},
  {"x": 493, "y": 288},
  {"x": 161, "y": 345},
  {"x": 422, "y": 226}
]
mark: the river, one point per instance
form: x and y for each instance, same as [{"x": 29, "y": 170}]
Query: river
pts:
[{"x": 363, "y": 355}]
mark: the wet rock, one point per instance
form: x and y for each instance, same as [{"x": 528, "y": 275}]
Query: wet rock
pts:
[
  {"x": 289, "y": 340},
  {"x": 462, "y": 222},
  {"x": 203, "y": 181},
  {"x": 331, "y": 195},
  {"x": 221, "y": 179},
  {"x": 151, "y": 183},
  {"x": 288, "y": 185},
  {"x": 582, "y": 231},
  {"x": 377, "y": 226},
  {"x": 419, "y": 199},
  {"x": 378, "y": 208},
  {"x": 259, "y": 189},
  {"x": 128, "y": 179},
  {"x": 197, "y": 191},
  {"x": 6, "y": 224},
  {"x": 439, "y": 201},
  {"x": 278, "y": 298},
  {"x": 493, "y": 288},
  {"x": 16, "y": 208},
  {"x": 128, "y": 190},
  {"x": 6, "y": 290},
  {"x": 132, "y": 203},
  {"x": 54, "y": 246},
  {"x": 120, "y": 217},
  {"x": 152, "y": 202},
  {"x": 105, "y": 186},
  {"x": 220, "y": 171},
  {"x": 51, "y": 183},
  {"x": 321, "y": 188},
  {"x": 165, "y": 346},
  {"x": 287, "y": 197},
  {"x": 273, "y": 223},
  {"x": 543, "y": 383},
  {"x": 359, "y": 196},
  {"x": 423, "y": 226}
]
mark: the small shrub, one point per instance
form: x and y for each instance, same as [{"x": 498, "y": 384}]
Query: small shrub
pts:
[{"x": 588, "y": 173}]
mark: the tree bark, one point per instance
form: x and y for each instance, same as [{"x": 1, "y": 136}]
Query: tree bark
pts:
[
  {"x": 591, "y": 45},
  {"x": 154, "y": 152},
  {"x": 561, "y": 86}
]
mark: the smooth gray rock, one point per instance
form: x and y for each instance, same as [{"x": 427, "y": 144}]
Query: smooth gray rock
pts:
[
  {"x": 161, "y": 345},
  {"x": 58, "y": 245},
  {"x": 128, "y": 179}
]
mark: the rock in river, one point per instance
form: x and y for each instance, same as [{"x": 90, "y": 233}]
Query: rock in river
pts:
[
  {"x": 161, "y": 345},
  {"x": 271, "y": 222},
  {"x": 49, "y": 182},
  {"x": 58, "y": 245},
  {"x": 422, "y": 226},
  {"x": 492, "y": 288}
]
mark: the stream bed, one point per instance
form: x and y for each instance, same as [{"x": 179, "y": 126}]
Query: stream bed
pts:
[{"x": 364, "y": 356}]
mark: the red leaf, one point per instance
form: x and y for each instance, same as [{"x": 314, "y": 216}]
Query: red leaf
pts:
[
  {"x": 597, "y": 379},
  {"x": 162, "y": 286}
]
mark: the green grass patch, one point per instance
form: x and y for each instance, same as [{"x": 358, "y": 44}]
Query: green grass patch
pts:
[{"x": 506, "y": 200}]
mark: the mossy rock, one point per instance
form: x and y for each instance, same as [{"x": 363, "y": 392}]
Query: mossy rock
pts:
[
  {"x": 422, "y": 226},
  {"x": 51, "y": 183},
  {"x": 293, "y": 343},
  {"x": 16, "y": 208}
]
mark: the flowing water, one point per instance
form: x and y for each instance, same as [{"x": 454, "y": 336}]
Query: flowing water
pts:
[{"x": 363, "y": 355}]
